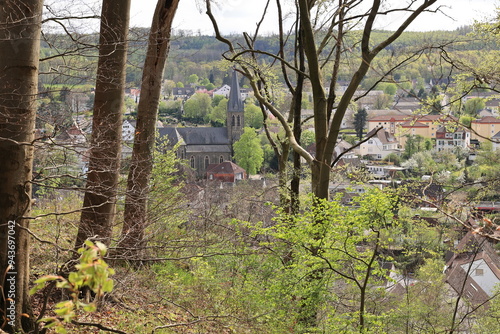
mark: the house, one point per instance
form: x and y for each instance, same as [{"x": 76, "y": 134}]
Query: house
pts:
[
  {"x": 380, "y": 145},
  {"x": 72, "y": 136},
  {"x": 485, "y": 128},
  {"x": 402, "y": 125},
  {"x": 224, "y": 91},
  {"x": 493, "y": 105},
  {"x": 495, "y": 140},
  {"x": 128, "y": 130},
  {"x": 448, "y": 139},
  {"x": 226, "y": 171},
  {"x": 344, "y": 149},
  {"x": 474, "y": 268},
  {"x": 205, "y": 146},
  {"x": 182, "y": 92},
  {"x": 384, "y": 171}
]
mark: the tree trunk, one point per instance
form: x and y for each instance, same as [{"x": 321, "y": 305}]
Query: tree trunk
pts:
[
  {"x": 135, "y": 221},
  {"x": 19, "y": 54},
  {"x": 99, "y": 203}
]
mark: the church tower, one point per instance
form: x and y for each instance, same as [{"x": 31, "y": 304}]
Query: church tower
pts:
[{"x": 235, "y": 111}]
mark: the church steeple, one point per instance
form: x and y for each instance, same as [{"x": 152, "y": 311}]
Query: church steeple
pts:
[{"x": 235, "y": 111}]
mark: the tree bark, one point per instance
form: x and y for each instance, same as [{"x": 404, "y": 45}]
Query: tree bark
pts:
[
  {"x": 19, "y": 60},
  {"x": 135, "y": 220},
  {"x": 99, "y": 203}
]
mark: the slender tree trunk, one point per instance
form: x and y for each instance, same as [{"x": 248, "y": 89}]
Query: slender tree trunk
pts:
[
  {"x": 99, "y": 203},
  {"x": 135, "y": 222},
  {"x": 19, "y": 53},
  {"x": 297, "y": 128}
]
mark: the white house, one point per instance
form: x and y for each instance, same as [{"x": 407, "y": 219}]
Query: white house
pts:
[
  {"x": 447, "y": 139},
  {"x": 224, "y": 91},
  {"x": 128, "y": 130},
  {"x": 380, "y": 145},
  {"x": 474, "y": 269}
]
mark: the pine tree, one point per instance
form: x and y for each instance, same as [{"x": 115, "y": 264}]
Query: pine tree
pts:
[{"x": 360, "y": 121}]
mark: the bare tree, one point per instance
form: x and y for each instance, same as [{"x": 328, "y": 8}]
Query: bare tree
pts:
[
  {"x": 144, "y": 141},
  {"x": 99, "y": 203},
  {"x": 19, "y": 52},
  {"x": 321, "y": 29}
]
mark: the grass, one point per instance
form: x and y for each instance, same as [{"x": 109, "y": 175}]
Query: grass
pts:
[{"x": 160, "y": 294}]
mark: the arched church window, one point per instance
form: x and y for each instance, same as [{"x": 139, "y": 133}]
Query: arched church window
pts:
[
  {"x": 221, "y": 159},
  {"x": 207, "y": 161},
  {"x": 192, "y": 161},
  {"x": 238, "y": 121},
  {"x": 232, "y": 120}
]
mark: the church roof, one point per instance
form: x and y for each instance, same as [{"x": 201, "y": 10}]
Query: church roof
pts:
[
  {"x": 195, "y": 135},
  {"x": 208, "y": 149}
]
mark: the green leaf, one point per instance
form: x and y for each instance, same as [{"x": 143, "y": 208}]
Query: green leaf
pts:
[{"x": 90, "y": 307}]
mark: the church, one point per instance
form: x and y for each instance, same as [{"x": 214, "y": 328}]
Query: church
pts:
[{"x": 206, "y": 146}]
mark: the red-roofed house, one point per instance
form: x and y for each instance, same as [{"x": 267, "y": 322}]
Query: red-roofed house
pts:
[
  {"x": 446, "y": 139},
  {"x": 226, "y": 171},
  {"x": 402, "y": 126}
]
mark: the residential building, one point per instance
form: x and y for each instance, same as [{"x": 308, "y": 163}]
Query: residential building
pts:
[
  {"x": 485, "y": 128},
  {"x": 380, "y": 145},
  {"x": 384, "y": 171},
  {"x": 474, "y": 269},
  {"x": 402, "y": 125},
  {"x": 128, "y": 130},
  {"x": 224, "y": 91},
  {"x": 448, "y": 139},
  {"x": 182, "y": 92},
  {"x": 226, "y": 171}
]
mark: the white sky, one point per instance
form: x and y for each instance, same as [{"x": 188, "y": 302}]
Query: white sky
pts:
[{"x": 241, "y": 15}]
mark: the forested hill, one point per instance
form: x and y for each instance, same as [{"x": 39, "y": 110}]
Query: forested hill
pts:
[{"x": 201, "y": 55}]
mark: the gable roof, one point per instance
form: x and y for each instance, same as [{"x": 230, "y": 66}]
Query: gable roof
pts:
[
  {"x": 390, "y": 118},
  {"x": 487, "y": 120},
  {"x": 382, "y": 135},
  {"x": 226, "y": 167},
  {"x": 195, "y": 135},
  {"x": 444, "y": 129},
  {"x": 414, "y": 124},
  {"x": 472, "y": 249},
  {"x": 411, "y": 118}
]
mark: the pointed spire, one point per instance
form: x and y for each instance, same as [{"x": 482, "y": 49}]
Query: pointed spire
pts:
[{"x": 235, "y": 103}]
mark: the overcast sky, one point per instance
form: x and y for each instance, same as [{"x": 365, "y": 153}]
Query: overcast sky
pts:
[{"x": 241, "y": 15}]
